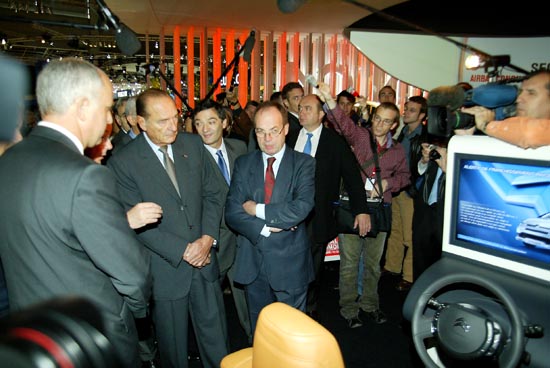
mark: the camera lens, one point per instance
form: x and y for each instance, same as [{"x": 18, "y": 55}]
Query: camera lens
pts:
[{"x": 434, "y": 155}]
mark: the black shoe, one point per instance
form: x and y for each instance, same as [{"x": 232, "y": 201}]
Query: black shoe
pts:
[
  {"x": 354, "y": 322},
  {"x": 377, "y": 316},
  {"x": 403, "y": 286}
]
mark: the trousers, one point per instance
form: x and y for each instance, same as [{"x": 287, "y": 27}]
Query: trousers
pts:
[{"x": 351, "y": 248}]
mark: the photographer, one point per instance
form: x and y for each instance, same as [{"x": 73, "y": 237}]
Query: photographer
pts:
[
  {"x": 429, "y": 204},
  {"x": 531, "y": 127}
]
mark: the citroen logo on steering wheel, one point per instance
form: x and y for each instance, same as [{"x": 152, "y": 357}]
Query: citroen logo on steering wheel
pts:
[{"x": 461, "y": 322}]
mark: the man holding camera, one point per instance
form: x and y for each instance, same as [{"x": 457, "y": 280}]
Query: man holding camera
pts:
[{"x": 530, "y": 126}]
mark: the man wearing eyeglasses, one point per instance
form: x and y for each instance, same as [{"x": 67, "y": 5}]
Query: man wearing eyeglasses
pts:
[
  {"x": 267, "y": 209},
  {"x": 394, "y": 176}
]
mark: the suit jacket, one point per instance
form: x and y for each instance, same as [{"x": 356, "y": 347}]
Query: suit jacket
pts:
[
  {"x": 120, "y": 139},
  {"x": 334, "y": 164},
  {"x": 142, "y": 178},
  {"x": 286, "y": 255},
  {"x": 227, "y": 242},
  {"x": 63, "y": 232}
]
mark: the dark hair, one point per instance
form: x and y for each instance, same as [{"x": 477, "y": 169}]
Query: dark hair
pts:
[
  {"x": 221, "y": 96},
  {"x": 347, "y": 95},
  {"x": 289, "y": 87},
  {"x": 141, "y": 101},
  {"x": 275, "y": 96},
  {"x": 423, "y": 104},
  {"x": 268, "y": 104},
  {"x": 207, "y": 105},
  {"x": 251, "y": 103}
]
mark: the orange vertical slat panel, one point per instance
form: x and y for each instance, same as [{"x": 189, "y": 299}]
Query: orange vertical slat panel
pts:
[
  {"x": 296, "y": 57},
  {"x": 217, "y": 58},
  {"x": 333, "y": 60},
  {"x": 162, "y": 53},
  {"x": 371, "y": 82},
  {"x": 243, "y": 75},
  {"x": 282, "y": 59},
  {"x": 191, "y": 66},
  {"x": 177, "y": 65},
  {"x": 229, "y": 54},
  {"x": 255, "y": 69},
  {"x": 203, "y": 72}
]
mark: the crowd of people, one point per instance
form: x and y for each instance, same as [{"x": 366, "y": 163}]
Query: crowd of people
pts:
[{"x": 153, "y": 223}]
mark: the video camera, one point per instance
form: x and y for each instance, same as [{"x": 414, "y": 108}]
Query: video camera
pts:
[{"x": 444, "y": 103}]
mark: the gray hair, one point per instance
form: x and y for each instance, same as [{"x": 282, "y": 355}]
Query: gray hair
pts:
[
  {"x": 130, "y": 108},
  {"x": 61, "y": 82}
]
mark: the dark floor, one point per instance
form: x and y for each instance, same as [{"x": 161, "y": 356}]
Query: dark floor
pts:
[{"x": 372, "y": 345}]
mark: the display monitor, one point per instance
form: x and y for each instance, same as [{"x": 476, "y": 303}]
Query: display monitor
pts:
[{"x": 497, "y": 205}]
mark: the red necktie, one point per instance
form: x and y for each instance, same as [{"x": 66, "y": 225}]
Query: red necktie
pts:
[{"x": 269, "y": 180}]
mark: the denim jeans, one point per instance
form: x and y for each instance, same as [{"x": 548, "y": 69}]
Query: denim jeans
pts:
[{"x": 351, "y": 247}]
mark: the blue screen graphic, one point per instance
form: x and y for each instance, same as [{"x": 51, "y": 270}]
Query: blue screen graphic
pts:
[{"x": 503, "y": 209}]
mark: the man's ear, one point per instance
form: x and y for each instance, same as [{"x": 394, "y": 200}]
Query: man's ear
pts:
[
  {"x": 141, "y": 123},
  {"x": 82, "y": 106}
]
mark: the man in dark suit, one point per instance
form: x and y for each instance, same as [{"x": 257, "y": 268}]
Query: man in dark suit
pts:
[
  {"x": 122, "y": 136},
  {"x": 273, "y": 256},
  {"x": 170, "y": 169},
  {"x": 334, "y": 164},
  {"x": 210, "y": 121},
  {"x": 62, "y": 231}
]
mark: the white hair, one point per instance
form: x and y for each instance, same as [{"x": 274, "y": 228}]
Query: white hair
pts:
[{"x": 61, "y": 82}]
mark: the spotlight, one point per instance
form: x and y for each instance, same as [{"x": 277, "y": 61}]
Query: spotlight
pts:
[{"x": 476, "y": 61}]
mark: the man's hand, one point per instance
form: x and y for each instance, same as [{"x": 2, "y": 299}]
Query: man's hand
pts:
[
  {"x": 250, "y": 207},
  {"x": 325, "y": 96},
  {"x": 363, "y": 221},
  {"x": 143, "y": 213},
  {"x": 197, "y": 253},
  {"x": 482, "y": 115}
]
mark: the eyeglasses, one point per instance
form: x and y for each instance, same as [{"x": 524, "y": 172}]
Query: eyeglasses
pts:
[
  {"x": 272, "y": 133},
  {"x": 378, "y": 119}
]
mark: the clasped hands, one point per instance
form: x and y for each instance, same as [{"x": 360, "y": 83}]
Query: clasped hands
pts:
[{"x": 197, "y": 253}]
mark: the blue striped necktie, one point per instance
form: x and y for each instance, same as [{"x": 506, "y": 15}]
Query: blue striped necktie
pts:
[
  {"x": 223, "y": 166},
  {"x": 307, "y": 147}
]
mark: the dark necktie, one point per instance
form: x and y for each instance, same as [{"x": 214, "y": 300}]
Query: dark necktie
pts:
[
  {"x": 307, "y": 147},
  {"x": 269, "y": 180},
  {"x": 170, "y": 168},
  {"x": 223, "y": 166}
]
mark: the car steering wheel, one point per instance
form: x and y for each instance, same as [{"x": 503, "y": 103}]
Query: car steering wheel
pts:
[{"x": 463, "y": 331}]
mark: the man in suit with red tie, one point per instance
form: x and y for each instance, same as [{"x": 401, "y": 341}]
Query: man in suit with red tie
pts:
[{"x": 273, "y": 254}]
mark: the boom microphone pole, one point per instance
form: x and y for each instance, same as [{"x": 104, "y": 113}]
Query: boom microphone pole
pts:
[
  {"x": 245, "y": 52},
  {"x": 154, "y": 68}
]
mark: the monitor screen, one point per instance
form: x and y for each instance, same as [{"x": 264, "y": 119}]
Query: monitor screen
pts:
[{"x": 497, "y": 207}]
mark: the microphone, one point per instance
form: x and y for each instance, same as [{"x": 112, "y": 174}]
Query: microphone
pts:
[
  {"x": 451, "y": 97},
  {"x": 126, "y": 39},
  {"x": 248, "y": 46},
  {"x": 312, "y": 80}
]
